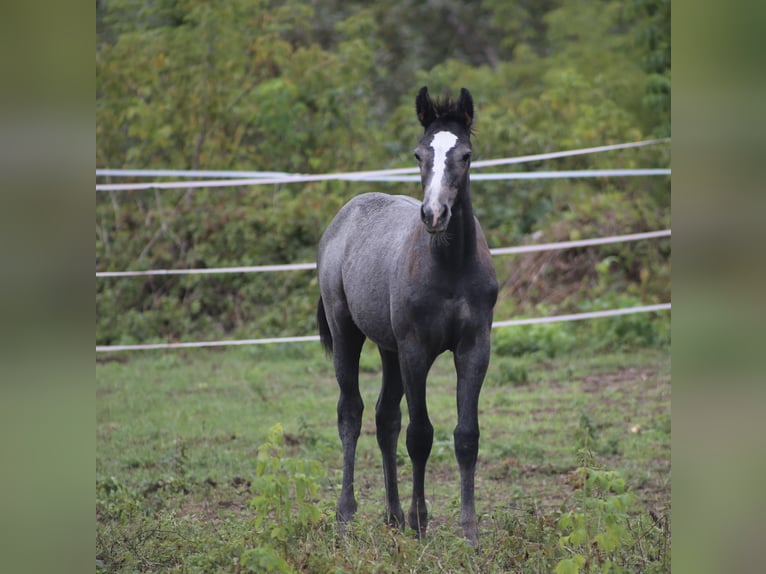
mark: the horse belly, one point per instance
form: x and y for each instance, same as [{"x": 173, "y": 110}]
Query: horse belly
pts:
[
  {"x": 377, "y": 329},
  {"x": 369, "y": 304}
]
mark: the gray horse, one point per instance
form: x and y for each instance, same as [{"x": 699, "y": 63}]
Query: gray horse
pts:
[{"x": 416, "y": 279}]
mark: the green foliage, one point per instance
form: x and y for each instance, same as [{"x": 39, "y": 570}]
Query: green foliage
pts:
[
  {"x": 545, "y": 339},
  {"x": 114, "y": 500},
  {"x": 652, "y": 33},
  {"x": 599, "y": 529},
  {"x": 625, "y": 331},
  {"x": 596, "y": 530},
  {"x": 329, "y": 86},
  {"x": 264, "y": 559},
  {"x": 509, "y": 372},
  {"x": 286, "y": 490}
]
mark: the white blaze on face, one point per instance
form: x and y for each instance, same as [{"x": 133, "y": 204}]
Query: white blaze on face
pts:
[{"x": 441, "y": 143}]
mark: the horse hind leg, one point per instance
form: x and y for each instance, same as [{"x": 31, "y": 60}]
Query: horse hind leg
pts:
[
  {"x": 388, "y": 422},
  {"x": 347, "y": 346}
]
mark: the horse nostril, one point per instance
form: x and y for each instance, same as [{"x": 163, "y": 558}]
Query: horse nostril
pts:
[{"x": 433, "y": 218}]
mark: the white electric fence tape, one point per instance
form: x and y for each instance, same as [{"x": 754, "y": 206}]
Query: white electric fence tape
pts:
[
  {"x": 309, "y": 266},
  {"x": 309, "y": 338},
  {"x": 263, "y": 178}
]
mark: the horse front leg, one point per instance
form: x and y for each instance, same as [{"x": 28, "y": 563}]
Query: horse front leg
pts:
[
  {"x": 471, "y": 362},
  {"x": 420, "y": 434}
]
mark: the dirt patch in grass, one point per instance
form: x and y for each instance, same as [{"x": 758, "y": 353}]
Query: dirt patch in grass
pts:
[
  {"x": 597, "y": 383},
  {"x": 217, "y": 502},
  {"x": 622, "y": 405}
]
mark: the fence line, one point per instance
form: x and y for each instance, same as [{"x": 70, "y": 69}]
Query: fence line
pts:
[
  {"x": 310, "y": 266},
  {"x": 212, "y": 270},
  {"x": 581, "y": 173},
  {"x": 580, "y": 316},
  {"x": 309, "y": 338},
  {"x": 566, "y": 153},
  {"x": 579, "y": 243},
  {"x": 258, "y": 174},
  {"x": 377, "y": 177},
  {"x": 196, "y": 344},
  {"x": 261, "y": 178},
  {"x": 213, "y": 173},
  {"x": 384, "y": 173}
]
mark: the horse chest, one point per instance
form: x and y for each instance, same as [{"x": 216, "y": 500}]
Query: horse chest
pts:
[
  {"x": 441, "y": 315},
  {"x": 458, "y": 310}
]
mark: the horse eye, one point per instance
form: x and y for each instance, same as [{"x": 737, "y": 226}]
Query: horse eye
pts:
[
  {"x": 467, "y": 156},
  {"x": 417, "y": 157}
]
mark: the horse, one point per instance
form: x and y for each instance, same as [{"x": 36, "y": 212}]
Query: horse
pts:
[{"x": 417, "y": 279}]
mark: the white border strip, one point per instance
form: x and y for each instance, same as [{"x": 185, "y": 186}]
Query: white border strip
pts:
[
  {"x": 309, "y": 338},
  {"x": 309, "y": 266},
  {"x": 362, "y": 175}
]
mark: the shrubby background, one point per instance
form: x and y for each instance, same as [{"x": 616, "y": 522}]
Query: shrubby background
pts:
[{"x": 329, "y": 86}]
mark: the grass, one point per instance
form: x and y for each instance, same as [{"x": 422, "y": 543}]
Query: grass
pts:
[{"x": 180, "y": 436}]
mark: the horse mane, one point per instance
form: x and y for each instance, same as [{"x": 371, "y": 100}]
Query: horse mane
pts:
[{"x": 447, "y": 109}]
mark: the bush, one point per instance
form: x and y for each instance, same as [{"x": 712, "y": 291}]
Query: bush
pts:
[
  {"x": 596, "y": 530},
  {"x": 547, "y": 339},
  {"x": 285, "y": 503},
  {"x": 624, "y": 331},
  {"x": 508, "y": 372}
]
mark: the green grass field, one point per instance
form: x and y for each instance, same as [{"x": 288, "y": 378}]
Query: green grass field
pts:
[{"x": 573, "y": 473}]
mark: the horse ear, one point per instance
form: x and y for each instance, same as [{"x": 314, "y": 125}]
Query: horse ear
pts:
[
  {"x": 424, "y": 107},
  {"x": 465, "y": 105}
]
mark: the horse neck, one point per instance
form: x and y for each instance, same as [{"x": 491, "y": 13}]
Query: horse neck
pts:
[{"x": 460, "y": 247}]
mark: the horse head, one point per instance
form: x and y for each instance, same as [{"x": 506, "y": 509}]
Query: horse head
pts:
[{"x": 444, "y": 155}]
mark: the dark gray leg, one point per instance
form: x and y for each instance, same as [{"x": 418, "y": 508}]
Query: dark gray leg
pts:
[
  {"x": 388, "y": 420},
  {"x": 471, "y": 366},
  {"x": 346, "y": 350},
  {"x": 420, "y": 435}
]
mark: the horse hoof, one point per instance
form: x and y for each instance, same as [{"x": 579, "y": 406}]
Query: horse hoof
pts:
[
  {"x": 419, "y": 524},
  {"x": 344, "y": 512},
  {"x": 395, "y": 519},
  {"x": 420, "y": 531},
  {"x": 471, "y": 535}
]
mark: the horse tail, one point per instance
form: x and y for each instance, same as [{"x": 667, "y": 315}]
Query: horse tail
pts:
[{"x": 325, "y": 336}]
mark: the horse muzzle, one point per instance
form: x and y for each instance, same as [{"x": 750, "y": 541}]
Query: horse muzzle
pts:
[{"x": 436, "y": 221}]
